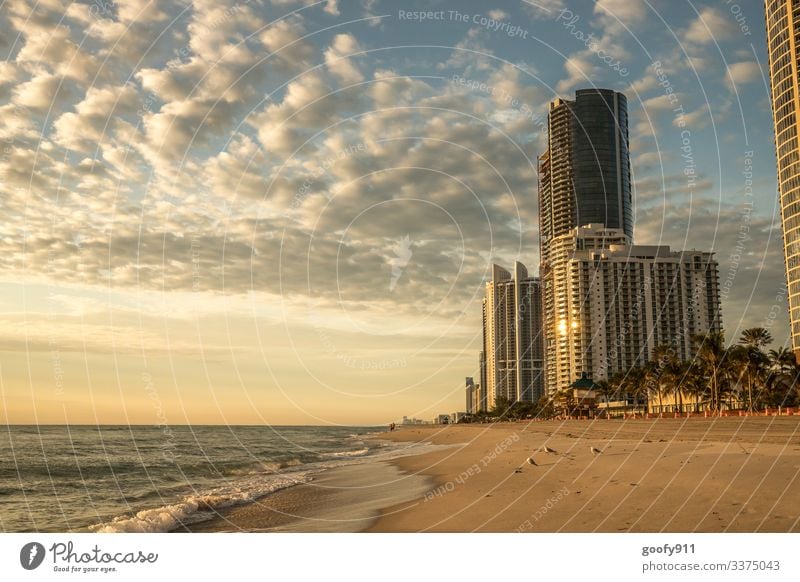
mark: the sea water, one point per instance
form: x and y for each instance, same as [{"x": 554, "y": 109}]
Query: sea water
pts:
[{"x": 140, "y": 479}]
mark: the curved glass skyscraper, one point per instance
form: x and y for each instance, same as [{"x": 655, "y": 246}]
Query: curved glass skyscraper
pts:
[
  {"x": 585, "y": 174},
  {"x": 783, "y": 38}
]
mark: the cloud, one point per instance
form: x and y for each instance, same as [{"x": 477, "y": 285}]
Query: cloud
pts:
[
  {"x": 308, "y": 105},
  {"x": 41, "y": 92},
  {"x": 8, "y": 73},
  {"x": 332, "y": 7},
  {"x": 497, "y": 14},
  {"x": 54, "y": 49},
  {"x": 84, "y": 129},
  {"x": 711, "y": 25},
  {"x": 665, "y": 189},
  {"x": 337, "y": 61},
  {"x": 179, "y": 182},
  {"x": 148, "y": 12},
  {"x": 629, "y": 12},
  {"x": 580, "y": 70},
  {"x": 283, "y": 39},
  {"x": 744, "y": 72},
  {"x": 238, "y": 172},
  {"x": 697, "y": 119}
]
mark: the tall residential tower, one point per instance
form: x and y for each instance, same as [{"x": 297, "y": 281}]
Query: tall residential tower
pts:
[
  {"x": 512, "y": 360},
  {"x": 623, "y": 301},
  {"x": 584, "y": 178},
  {"x": 783, "y": 38},
  {"x": 607, "y": 303},
  {"x": 585, "y": 174}
]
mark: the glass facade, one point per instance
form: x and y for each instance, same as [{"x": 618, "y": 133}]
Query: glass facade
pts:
[
  {"x": 783, "y": 38},
  {"x": 600, "y": 160},
  {"x": 585, "y": 175}
]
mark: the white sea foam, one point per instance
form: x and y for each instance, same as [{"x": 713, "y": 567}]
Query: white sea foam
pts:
[
  {"x": 358, "y": 453},
  {"x": 201, "y": 506}
]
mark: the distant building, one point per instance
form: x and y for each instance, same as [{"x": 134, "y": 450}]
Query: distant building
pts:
[
  {"x": 513, "y": 358},
  {"x": 475, "y": 401},
  {"x": 442, "y": 419},
  {"x": 614, "y": 303},
  {"x": 481, "y": 404},
  {"x": 783, "y": 37},
  {"x": 456, "y": 417}
]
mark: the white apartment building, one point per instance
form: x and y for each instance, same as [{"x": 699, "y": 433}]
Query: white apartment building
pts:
[{"x": 609, "y": 304}]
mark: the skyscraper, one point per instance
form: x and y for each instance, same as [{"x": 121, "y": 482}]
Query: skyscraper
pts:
[
  {"x": 585, "y": 175},
  {"x": 513, "y": 359},
  {"x": 783, "y": 37},
  {"x": 607, "y": 303},
  {"x": 584, "y": 178}
]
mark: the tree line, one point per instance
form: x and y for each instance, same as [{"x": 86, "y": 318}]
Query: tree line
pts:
[{"x": 743, "y": 375}]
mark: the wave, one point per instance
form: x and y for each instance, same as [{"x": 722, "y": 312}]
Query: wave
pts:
[
  {"x": 252, "y": 469},
  {"x": 340, "y": 454},
  {"x": 200, "y": 507},
  {"x": 247, "y": 488}
]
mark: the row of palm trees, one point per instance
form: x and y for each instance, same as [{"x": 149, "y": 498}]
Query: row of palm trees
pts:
[{"x": 741, "y": 375}]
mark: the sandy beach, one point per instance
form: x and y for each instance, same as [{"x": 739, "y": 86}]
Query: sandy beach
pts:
[{"x": 668, "y": 475}]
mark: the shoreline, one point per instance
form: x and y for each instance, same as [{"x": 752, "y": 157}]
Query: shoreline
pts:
[
  {"x": 728, "y": 474},
  {"x": 345, "y": 498}
]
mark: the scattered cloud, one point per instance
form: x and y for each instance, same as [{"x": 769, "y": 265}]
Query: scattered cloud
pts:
[
  {"x": 338, "y": 61},
  {"x": 215, "y": 149},
  {"x": 332, "y": 7},
  {"x": 712, "y": 25},
  {"x": 744, "y": 72},
  {"x": 628, "y": 12}
]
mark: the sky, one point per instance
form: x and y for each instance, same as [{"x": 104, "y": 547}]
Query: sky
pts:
[{"x": 285, "y": 211}]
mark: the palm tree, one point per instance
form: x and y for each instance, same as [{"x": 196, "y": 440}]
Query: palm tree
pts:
[
  {"x": 650, "y": 383},
  {"x": 665, "y": 363},
  {"x": 678, "y": 373},
  {"x": 752, "y": 360},
  {"x": 638, "y": 382},
  {"x": 712, "y": 361},
  {"x": 564, "y": 401},
  {"x": 617, "y": 382},
  {"x": 755, "y": 337},
  {"x": 695, "y": 384},
  {"x": 781, "y": 383},
  {"x": 782, "y": 358},
  {"x": 737, "y": 371},
  {"x": 753, "y": 370},
  {"x": 502, "y": 406},
  {"x": 605, "y": 389}
]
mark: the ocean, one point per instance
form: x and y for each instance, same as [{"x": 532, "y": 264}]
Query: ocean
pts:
[{"x": 151, "y": 479}]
